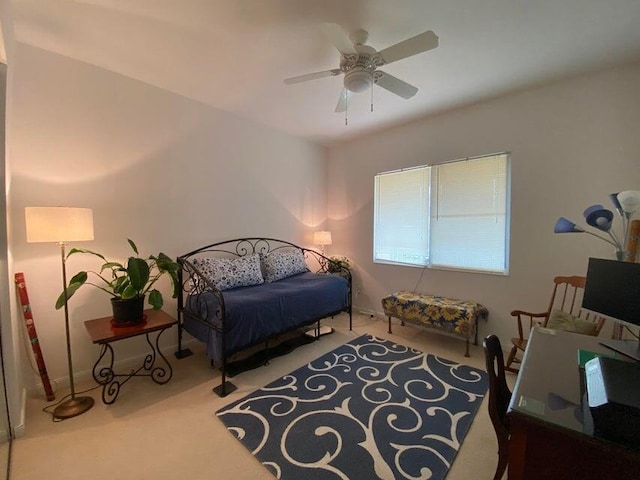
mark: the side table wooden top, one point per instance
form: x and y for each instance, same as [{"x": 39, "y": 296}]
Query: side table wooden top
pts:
[{"x": 101, "y": 330}]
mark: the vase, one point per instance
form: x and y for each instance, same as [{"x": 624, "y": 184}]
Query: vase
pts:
[{"x": 128, "y": 311}]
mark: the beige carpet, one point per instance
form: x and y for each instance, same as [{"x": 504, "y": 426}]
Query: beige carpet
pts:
[{"x": 171, "y": 431}]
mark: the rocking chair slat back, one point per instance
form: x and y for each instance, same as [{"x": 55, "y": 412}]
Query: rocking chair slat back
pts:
[{"x": 567, "y": 297}]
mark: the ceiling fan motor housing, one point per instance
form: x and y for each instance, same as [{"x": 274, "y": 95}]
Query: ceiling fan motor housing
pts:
[{"x": 359, "y": 69}]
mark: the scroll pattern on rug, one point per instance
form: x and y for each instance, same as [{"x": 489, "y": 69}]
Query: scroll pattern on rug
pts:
[{"x": 370, "y": 409}]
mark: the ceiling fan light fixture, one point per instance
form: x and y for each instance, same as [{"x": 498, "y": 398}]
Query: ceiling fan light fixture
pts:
[{"x": 358, "y": 80}]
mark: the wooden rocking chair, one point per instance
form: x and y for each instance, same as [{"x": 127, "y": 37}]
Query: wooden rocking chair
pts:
[{"x": 564, "y": 311}]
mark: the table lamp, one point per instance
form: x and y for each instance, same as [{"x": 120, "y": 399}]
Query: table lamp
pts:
[
  {"x": 322, "y": 238},
  {"x": 61, "y": 225}
]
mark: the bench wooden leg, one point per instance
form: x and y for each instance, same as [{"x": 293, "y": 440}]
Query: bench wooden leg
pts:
[
  {"x": 475, "y": 339},
  {"x": 390, "y": 325},
  {"x": 466, "y": 353}
]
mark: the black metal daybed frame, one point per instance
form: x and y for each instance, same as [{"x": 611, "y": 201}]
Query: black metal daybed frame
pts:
[{"x": 192, "y": 280}]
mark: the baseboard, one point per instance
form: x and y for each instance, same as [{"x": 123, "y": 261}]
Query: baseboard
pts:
[
  {"x": 19, "y": 429},
  {"x": 371, "y": 313}
]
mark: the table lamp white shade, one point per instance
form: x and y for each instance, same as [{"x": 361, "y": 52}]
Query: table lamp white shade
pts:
[
  {"x": 58, "y": 224},
  {"x": 322, "y": 238}
]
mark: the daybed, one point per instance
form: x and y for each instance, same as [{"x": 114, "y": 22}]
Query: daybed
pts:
[{"x": 244, "y": 292}]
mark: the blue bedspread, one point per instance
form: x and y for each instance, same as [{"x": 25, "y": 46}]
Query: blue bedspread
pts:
[{"x": 256, "y": 313}]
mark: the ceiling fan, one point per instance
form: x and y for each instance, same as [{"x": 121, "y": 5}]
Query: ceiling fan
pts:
[{"x": 359, "y": 62}]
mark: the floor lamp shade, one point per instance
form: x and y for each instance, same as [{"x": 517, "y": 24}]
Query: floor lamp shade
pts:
[{"x": 58, "y": 224}]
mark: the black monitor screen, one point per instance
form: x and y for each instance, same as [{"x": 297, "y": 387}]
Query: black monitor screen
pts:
[{"x": 613, "y": 290}]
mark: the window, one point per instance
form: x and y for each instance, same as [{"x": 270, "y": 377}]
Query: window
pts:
[{"x": 452, "y": 215}]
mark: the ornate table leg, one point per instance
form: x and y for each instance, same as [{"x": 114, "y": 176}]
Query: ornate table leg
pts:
[
  {"x": 159, "y": 374},
  {"x": 106, "y": 377},
  {"x": 103, "y": 375},
  {"x": 110, "y": 380}
]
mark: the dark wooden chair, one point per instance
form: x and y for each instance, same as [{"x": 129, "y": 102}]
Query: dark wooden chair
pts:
[
  {"x": 499, "y": 398},
  {"x": 566, "y": 298}
]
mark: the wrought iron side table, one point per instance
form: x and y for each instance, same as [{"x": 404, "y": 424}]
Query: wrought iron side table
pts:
[{"x": 103, "y": 333}]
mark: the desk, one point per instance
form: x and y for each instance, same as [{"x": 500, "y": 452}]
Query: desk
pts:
[
  {"x": 549, "y": 438},
  {"x": 102, "y": 332}
]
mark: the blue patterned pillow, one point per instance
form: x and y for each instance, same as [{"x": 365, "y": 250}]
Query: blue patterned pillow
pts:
[
  {"x": 279, "y": 265},
  {"x": 228, "y": 273}
]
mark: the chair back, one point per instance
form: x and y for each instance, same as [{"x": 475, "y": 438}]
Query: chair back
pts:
[
  {"x": 499, "y": 398},
  {"x": 567, "y": 296},
  {"x": 499, "y": 393}
]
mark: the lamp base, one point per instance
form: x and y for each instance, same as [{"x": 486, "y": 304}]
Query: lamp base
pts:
[{"x": 73, "y": 407}]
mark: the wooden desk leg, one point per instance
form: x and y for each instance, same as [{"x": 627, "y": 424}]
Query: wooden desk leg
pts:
[{"x": 517, "y": 450}]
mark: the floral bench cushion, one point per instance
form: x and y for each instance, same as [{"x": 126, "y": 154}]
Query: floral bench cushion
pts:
[{"x": 459, "y": 317}]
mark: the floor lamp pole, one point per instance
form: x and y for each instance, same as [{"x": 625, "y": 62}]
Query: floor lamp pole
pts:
[{"x": 75, "y": 405}]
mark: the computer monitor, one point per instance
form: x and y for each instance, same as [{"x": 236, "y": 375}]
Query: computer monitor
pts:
[{"x": 612, "y": 290}]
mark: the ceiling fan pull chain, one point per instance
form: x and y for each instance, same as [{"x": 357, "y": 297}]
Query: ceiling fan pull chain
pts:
[
  {"x": 372, "y": 95},
  {"x": 346, "y": 108}
]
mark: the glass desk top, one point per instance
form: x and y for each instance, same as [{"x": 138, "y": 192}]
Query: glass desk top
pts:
[{"x": 550, "y": 385}]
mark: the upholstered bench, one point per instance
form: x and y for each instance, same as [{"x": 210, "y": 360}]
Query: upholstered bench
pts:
[{"x": 458, "y": 317}]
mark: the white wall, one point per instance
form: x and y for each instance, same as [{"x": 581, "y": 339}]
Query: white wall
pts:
[
  {"x": 170, "y": 173},
  {"x": 571, "y": 143}
]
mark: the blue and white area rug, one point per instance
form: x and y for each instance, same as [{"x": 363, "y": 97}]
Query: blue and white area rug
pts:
[{"x": 370, "y": 409}]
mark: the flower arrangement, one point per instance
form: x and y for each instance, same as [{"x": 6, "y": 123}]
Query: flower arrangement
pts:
[{"x": 337, "y": 263}]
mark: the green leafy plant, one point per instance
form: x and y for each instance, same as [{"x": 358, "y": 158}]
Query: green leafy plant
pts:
[
  {"x": 135, "y": 279},
  {"x": 337, "y": 263}
]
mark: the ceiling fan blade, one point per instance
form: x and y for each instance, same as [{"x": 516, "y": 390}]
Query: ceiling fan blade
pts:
[
  {"x": 342, "y": 101},
  {"x": 339, "y": 38},
  {"x": 395, "y": 85},
  {"x": 412, "y": 46},
  {"x": 312, "y": 76}
]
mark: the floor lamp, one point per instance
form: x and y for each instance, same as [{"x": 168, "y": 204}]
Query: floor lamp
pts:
[{"x": 61, "y": 225}]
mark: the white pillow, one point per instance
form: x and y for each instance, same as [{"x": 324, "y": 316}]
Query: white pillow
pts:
[
  {"x": 279, "y": 265},
  {"x": 560, "y": 320},
  {"x": 228, "y": 273}
]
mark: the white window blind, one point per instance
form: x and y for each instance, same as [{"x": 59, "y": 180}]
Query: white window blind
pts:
[
  {"x": 402, "y": 216},
  {"x": 453, "y": 215}
]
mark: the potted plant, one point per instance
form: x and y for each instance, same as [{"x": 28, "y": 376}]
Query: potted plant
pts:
[
  {"x": 338, "y": 263},
  {"x": 127, "y": 284}
]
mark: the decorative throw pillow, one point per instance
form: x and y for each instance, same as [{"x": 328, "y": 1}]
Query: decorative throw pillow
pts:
[
  {"x": 228, "y": 273},
  {"x": 279, "y": 265},
  {"x": 560, "y": 320}
]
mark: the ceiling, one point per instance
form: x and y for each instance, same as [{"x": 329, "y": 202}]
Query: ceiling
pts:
[{"x": 234, "y": 54}]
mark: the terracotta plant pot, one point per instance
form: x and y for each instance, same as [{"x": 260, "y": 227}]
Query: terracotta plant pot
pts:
[{"x": 128, "y": 312}]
